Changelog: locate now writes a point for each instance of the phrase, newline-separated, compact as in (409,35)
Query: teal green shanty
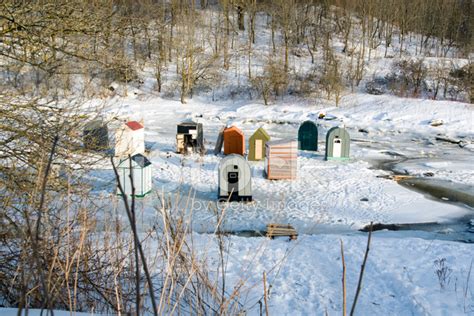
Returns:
(337,144)
(308,136)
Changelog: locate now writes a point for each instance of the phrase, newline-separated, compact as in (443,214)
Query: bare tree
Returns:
(273,80)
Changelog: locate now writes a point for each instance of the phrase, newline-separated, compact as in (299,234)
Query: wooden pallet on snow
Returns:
(281,230)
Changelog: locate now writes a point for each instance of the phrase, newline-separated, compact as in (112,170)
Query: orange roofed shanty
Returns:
(234,141)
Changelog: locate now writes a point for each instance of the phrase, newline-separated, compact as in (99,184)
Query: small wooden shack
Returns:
(337,144)
(130,139)
(281,161)
(189,138)
(308,136)
(96,135)
(219,141)
(141,172)
(235,179)
(257,145)
(234,141)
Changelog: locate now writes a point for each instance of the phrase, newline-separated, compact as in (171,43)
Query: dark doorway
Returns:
(233,180)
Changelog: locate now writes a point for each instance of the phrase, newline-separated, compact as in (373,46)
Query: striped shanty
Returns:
(281,159)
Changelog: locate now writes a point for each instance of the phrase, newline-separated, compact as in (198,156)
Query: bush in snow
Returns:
(408,76)
(433,79)
(376,86)
(274,80)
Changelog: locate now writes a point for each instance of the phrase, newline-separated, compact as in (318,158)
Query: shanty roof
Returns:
(134,125)
(263,132)
(188,123)
(138,159)
(141,160)
(308,123)
(232,156)
(338,131)
(233,129)
(280,142)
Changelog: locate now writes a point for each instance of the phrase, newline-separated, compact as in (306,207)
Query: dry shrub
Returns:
(272,82)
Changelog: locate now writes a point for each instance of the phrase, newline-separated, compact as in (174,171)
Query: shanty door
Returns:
(258,149)
(188,143)
(307,141)
(233,180)
(180,143)
(337,148)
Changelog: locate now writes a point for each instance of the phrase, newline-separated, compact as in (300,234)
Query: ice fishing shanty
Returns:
(96,135)
(234,141)
(235,179)
(281,161)
(337,144)
(308,136)
(257,145)
(130,139)
(189,138)
(140,168)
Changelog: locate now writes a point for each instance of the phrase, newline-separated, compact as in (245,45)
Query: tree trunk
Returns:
(273,34)
(240,18)
(286,50)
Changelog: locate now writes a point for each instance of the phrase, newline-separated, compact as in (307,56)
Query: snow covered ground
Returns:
(345,194)
(327,203)
(305,276)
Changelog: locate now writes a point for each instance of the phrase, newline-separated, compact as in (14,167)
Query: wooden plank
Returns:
(284,166)
(281,172)
(277,229)
(282,153)
(219,142)
(282,177)
(401,177)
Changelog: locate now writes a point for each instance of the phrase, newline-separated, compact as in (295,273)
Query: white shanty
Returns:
(130,139)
